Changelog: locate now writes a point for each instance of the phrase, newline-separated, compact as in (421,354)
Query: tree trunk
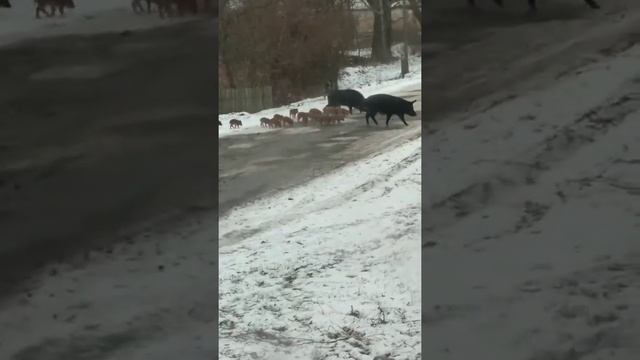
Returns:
(415,9)
(381,42)
(223,60)
(226,76)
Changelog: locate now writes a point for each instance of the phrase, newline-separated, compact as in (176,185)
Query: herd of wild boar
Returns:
(165,8)
(334,114)
(330,115)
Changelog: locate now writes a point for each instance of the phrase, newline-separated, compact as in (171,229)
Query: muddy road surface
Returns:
(100,134)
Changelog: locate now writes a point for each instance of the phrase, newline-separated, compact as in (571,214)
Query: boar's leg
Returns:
(373,117)
(389,118)
(350,109)
(402,118)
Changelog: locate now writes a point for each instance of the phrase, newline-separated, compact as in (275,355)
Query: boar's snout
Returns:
(410,110)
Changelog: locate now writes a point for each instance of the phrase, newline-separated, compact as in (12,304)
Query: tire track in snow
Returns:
(551,151)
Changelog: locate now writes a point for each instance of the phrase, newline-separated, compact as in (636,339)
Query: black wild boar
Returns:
(235,124)
(346,97)
(5,4)
(389,105)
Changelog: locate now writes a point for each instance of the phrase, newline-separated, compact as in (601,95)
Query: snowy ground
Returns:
(328,269)
(531,222)
(368,80)
(89,17)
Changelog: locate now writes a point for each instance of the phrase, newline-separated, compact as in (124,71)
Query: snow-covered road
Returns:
(327,269)
(532,222)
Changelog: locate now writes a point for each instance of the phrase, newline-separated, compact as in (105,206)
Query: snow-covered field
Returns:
(532,218)
(90,16)
(327,269)
(368,80)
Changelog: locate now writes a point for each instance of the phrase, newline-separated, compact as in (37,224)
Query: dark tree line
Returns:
(382,32)
(292,45)
(295,45)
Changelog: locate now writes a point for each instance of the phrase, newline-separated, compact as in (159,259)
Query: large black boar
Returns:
(346,97)
(389,105)
(532,4)
(5,3)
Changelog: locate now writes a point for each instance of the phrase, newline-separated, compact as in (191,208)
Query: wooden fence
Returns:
(247,99)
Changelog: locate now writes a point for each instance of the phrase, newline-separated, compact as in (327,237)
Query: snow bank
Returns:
(329,268)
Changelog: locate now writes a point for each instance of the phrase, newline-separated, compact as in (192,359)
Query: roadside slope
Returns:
(532,220)
(93,142)
(328,268)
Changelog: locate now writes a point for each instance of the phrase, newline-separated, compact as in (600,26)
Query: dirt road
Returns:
(99,134)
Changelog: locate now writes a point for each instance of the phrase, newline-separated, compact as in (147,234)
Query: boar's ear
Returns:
(414,101)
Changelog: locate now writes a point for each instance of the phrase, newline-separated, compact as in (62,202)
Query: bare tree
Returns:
(415,9)
(223,63)
(292,45)
(381,42)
